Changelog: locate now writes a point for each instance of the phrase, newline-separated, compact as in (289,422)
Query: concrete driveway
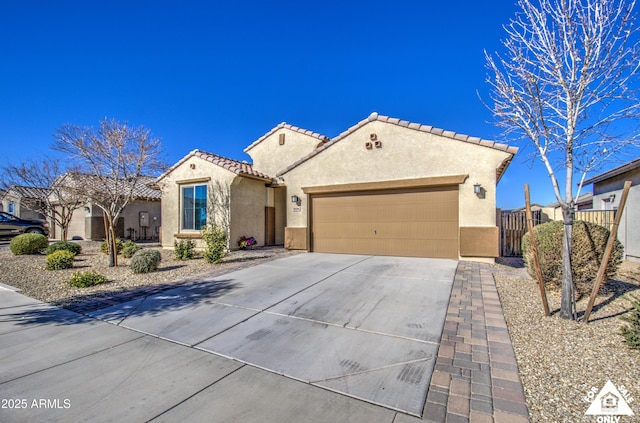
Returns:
(361,326)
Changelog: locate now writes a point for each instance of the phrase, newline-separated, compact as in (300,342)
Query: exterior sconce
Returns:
(477,189)
(612,197)
(295,198)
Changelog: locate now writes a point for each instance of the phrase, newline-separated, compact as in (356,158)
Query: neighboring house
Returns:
(583,202)
(23,201)
(607,190)
(384,187)
(140,219)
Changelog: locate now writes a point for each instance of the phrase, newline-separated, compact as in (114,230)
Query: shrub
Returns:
(588,245)
(184,249)
(104,247)
(216,241)
(631,332)
(58,260)
(72,247)
(145,260)
(85,279)
(129,248)
(28,244)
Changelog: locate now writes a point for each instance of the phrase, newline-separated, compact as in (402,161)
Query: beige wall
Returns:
(405,154)
(269,157)
(248,200)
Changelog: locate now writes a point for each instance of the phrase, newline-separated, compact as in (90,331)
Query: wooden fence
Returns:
(600,217)
(513,226)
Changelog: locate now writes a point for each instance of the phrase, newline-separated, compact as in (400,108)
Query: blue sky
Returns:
(218,75)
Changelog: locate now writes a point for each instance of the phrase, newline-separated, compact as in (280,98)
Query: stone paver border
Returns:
(476,375)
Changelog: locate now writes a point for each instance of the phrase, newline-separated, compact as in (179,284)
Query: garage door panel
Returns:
(419,223)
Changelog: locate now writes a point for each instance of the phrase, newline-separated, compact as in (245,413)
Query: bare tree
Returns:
(114,160)
(56,200)
(565,87)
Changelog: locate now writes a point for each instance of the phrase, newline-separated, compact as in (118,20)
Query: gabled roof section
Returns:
(235,166)
(34,193)
(285,125)
(417,127)
(632,165)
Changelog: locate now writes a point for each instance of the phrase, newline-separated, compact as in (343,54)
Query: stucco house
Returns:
(385,186)
(23,201)
(140,219)
(607,191)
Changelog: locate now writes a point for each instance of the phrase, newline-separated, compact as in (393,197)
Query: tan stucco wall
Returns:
(269,157)
(131,215)
(204,172)
(405,154)
(248,200)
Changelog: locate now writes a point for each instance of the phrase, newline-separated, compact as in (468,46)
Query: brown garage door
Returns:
(417,223)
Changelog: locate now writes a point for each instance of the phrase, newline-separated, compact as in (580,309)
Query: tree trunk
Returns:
(568,297)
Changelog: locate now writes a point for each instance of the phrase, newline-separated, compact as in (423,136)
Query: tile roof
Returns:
(235,166)
(285,125)
(28,192)
(633,164)
(415,126)
(143,190)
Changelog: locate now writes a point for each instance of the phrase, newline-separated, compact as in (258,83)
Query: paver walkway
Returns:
(476,376)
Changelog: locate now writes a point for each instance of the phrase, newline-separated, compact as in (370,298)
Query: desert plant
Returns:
(184,249)
(28,244)
(216,240)
(631,331)
(72,247)
(58,260)
(588,245)
(104,247)
(85,279)
(145,260)
(129,248)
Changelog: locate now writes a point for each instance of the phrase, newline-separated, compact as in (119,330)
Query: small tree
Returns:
(565,87)
(114,160)
(57,201)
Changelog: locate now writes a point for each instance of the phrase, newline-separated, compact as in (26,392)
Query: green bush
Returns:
(28,244)
(61,259)
(129,248)
(104,247)
(631,332)
(184,249)
(72,247)
(145,260)
(85,279)
(216,240)
(588,244)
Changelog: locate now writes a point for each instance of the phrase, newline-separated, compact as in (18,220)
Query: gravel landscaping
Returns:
(561,360)
(27,273)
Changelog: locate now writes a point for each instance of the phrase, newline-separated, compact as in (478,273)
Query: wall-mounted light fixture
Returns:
(477,189)
(295,198)
(611,198)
